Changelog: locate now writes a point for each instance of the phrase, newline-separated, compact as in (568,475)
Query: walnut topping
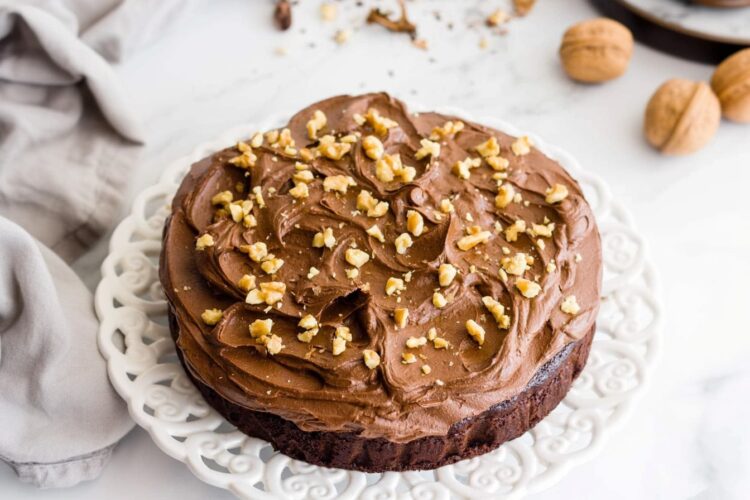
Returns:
(408,358)
(428,148)
(371,358)
(308,322)
(269,293)
(516,265)
(415,342)
(522,146)
(414,222)
(498,312)
(505,196)
(570,305)
(240,209)
(331,149)
(403,242)
(394,285)
(204,241)
(312,272)
(223,198)
(543,230)
(440,343)
(462,168)
(376,233)
(300,191)
(246,283)
(475,331)
(426,369)
(401,316)
(528,289)
(324,239)
(307,335)
(446,274)
(261,327)
(556,193)
(446,206)
(273,343)
(271,264)
(356,257)
(488,148)
(499,164)
(257,251)
(551,266)
(258,193)
(470,241)
(512,231)
(374,207)
(448,130)
(439,300)
(303,176)
(211,316)
(497,18)
(339,346)
(379,124)
(432,334)
(246,158)
(373,147)
(338,183)
(352,273)
(390,167)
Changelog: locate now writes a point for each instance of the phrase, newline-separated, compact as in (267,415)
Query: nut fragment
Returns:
(428,148)
(338,183)
(324,239)
(211,316)
(408,358)
(446,274)
(339,346)
(505,196)
(356,257)
(470,241)
(273,343)
(475,331)
(522,146)
(257,251)
(440,343)
(308,322)
(439,300)
(426,369)
(731,82)
(490,147)
(403,243)
(596,50)
(462,168)
(401,316)
(414,222)
(371,358)
(570,305)
(261,327)
(681,117)
(316,124)
(394,285)
(415,342)
(222,198)
(247,282)
(270,293)
(379,124)
(300,191)
(498,312)
(376,233)
(204,241)
(497,18)
(373,147)
(516,265)
(448,130)
(374,207)
(528,288)
(272,264)
(512,231)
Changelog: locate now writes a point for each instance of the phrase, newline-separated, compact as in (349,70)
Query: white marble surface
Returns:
(688,437)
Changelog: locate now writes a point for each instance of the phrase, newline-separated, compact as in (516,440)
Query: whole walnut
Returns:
(681,117)
(596,51)
(731,82)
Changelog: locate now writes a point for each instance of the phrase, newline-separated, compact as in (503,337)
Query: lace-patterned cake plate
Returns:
(143,367)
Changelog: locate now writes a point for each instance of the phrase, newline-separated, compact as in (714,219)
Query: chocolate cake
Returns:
(374,289)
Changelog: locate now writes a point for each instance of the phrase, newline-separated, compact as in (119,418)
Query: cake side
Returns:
(317,377)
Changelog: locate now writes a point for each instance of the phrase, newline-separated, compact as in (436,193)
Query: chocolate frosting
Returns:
(304,382)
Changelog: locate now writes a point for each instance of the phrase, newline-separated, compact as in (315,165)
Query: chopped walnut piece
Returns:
(556,193)
(273,343)
(204,241)
(505,196)
(551,266)
(269,293)
(475,331)
(246,159)
(426,369)
(312,272)
(528,288)
(497,18)
(331,149)
(470,241)
(401,316)
(339,346)
(446,206)
(303,176)
(258,192)
(376,233)
(432,334)
(415,342)
(394,285)
(516,265)
(440,343)
(371,358)
(257,140)
(428,148)
(300,191)
(356,257)
(261,327)
(498,312)
(344,332)
(352,273)
(338,183)
(223,198)
(246,283)
(488,148)
(462,168)
(512,231)
(271,264)
(373,206)
(570,305)
(448,130)
(316,124)
(403,243)
(408,358)
(542,230)
(373,147)
(249,221)
(324,239)
(414,222)
(307,335)
(308,322)
(379,124)
(498,163)
(257,251)
(211,316)
(439,300)
(446,274)
(522,146)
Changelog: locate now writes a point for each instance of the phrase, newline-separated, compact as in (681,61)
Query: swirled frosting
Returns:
(556,246)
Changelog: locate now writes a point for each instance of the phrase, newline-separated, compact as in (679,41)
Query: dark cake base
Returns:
(465,439)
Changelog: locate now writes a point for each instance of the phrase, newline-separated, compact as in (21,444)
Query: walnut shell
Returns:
(731,82)
(681,117)
(596,50)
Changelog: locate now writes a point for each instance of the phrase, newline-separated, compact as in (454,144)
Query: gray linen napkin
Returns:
(67,134)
